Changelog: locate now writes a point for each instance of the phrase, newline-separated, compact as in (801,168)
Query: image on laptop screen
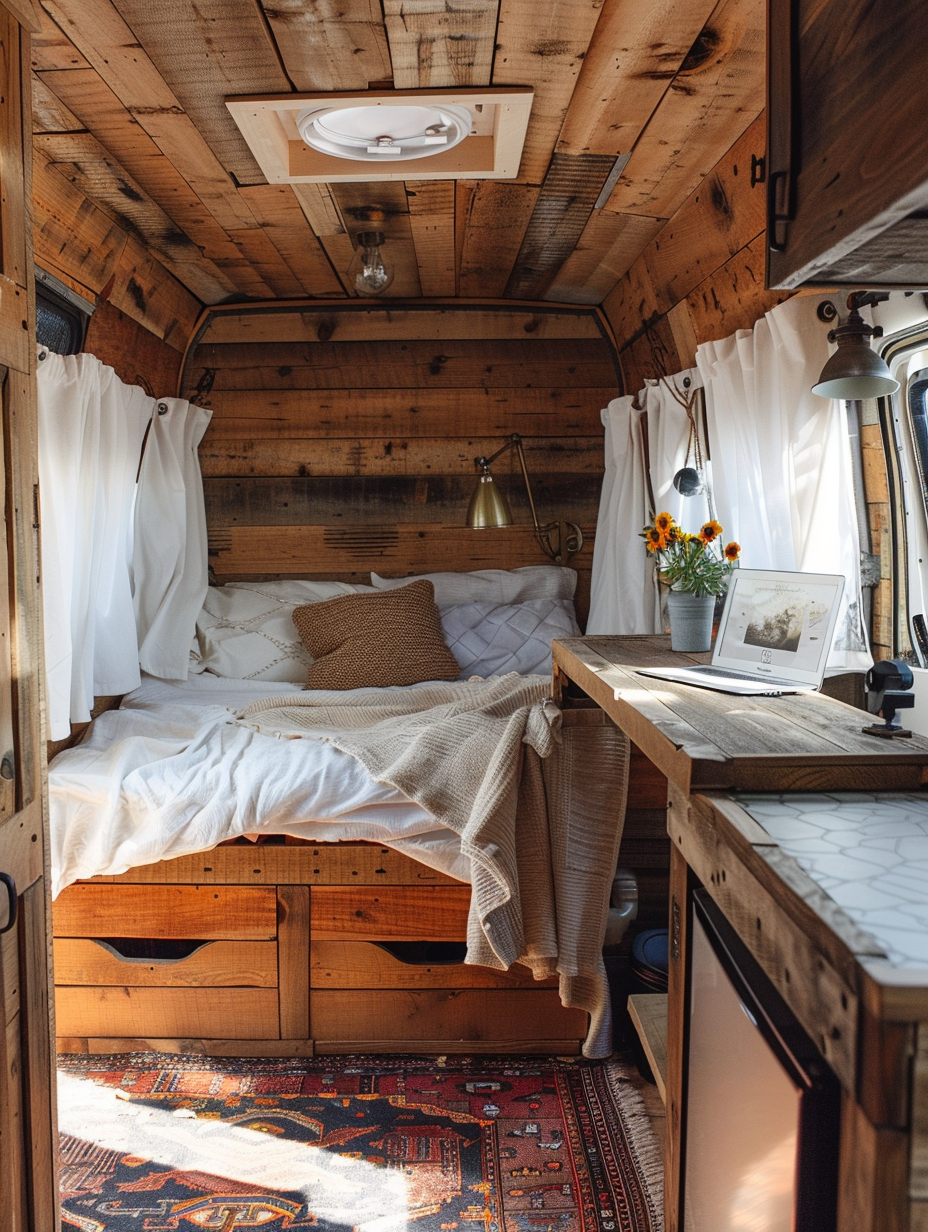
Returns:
(779,622)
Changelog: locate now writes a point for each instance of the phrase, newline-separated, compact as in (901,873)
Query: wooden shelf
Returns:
(648,1012)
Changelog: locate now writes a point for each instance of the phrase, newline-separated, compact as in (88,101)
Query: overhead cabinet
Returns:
(846,143)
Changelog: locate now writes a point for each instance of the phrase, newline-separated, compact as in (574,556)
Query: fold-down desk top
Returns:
(702,739)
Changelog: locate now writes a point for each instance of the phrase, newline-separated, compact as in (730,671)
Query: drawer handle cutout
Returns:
(149,950)
(425,953)
(13,900)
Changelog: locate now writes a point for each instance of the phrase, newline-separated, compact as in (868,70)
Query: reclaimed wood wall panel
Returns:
(628,69)
(435,45)
(716,92)
(544,45)
(76,241)
(358,456)
(111,47)
(132,105)
(204,51)
(702,275)
(332,322)
(343,439)
(330,44)
(417,364)
(136,355)
(82,160)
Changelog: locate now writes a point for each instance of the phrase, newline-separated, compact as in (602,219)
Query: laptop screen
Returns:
(779,624)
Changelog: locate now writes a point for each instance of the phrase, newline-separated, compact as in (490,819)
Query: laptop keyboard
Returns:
(727,674)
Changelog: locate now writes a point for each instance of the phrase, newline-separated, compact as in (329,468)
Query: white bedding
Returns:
(171,773)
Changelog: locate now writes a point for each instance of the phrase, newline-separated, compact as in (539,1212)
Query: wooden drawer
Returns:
(452,1016)
(360,964)
(215,964)
(394,913)
(195,1013)
(246,913)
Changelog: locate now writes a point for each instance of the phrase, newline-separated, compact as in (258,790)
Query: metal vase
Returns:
(690,620)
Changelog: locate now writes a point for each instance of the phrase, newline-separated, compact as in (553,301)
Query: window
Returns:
(904,423)
(61,316)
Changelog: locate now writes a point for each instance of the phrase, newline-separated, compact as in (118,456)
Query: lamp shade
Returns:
(855,371)
(488,507)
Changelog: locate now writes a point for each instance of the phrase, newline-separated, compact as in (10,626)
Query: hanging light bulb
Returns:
(369,273)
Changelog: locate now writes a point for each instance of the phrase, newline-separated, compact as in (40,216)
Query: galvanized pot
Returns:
(690,620)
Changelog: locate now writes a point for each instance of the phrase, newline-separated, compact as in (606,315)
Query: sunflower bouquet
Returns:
(695,564)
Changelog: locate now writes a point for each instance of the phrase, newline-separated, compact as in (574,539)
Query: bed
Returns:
(228,882)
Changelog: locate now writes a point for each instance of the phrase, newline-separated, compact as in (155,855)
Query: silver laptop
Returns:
(774,635)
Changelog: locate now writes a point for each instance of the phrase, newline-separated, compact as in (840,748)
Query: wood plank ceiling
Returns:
(129,107)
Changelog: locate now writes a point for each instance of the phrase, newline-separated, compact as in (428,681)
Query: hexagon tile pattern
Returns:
(868,851)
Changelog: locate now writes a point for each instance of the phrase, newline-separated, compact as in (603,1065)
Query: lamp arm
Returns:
(514,441)
(520,452)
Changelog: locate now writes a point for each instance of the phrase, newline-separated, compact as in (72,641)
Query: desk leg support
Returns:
(677,943)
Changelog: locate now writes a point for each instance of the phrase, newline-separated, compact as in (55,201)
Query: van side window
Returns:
(918,416)
(60,316)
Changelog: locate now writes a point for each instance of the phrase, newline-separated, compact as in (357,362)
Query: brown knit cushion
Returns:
(364,641)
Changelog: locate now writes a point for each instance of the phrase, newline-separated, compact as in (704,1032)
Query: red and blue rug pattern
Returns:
(152,1142)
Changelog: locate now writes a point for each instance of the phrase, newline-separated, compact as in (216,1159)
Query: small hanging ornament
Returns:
(689,479)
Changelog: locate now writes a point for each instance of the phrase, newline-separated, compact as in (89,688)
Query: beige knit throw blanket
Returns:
(538,804)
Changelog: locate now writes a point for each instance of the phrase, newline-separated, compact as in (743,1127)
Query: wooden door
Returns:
(28,1179)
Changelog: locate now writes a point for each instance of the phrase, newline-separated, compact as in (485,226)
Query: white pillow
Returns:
(489,639)
(245,630)
(494,585)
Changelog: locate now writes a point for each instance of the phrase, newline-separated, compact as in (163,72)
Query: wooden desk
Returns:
(700,739)
(736,768)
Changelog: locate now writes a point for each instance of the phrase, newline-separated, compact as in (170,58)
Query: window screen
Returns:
(59,325)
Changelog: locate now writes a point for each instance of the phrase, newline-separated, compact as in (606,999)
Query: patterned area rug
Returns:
(370,1144)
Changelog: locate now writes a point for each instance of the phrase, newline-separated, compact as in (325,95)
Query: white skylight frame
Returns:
(491,151)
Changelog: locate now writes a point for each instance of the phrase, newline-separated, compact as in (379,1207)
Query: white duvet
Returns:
(171,773)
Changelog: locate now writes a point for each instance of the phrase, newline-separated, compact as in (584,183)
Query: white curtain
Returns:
(90,432)
(781,465)
(169,561)
(623,596)
(671,444)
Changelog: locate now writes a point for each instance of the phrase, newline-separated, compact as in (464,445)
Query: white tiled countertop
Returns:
(867,851)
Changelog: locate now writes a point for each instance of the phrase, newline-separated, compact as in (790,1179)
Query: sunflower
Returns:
(675,534)
(710,531)
(732,551)
(654,540)
(664,523)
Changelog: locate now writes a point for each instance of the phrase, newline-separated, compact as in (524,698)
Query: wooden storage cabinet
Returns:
(847,178)
(291,962)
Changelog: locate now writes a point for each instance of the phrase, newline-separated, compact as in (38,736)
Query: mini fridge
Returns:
(761,1108)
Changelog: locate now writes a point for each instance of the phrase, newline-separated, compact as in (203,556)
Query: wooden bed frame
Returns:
(289,962)
(291,957)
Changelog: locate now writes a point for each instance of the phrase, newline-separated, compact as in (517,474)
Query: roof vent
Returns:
(392,131)
(466,134)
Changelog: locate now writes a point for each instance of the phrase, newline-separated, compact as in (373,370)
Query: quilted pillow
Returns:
(375,640)
(489,639)
(245,629)
(494,585)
